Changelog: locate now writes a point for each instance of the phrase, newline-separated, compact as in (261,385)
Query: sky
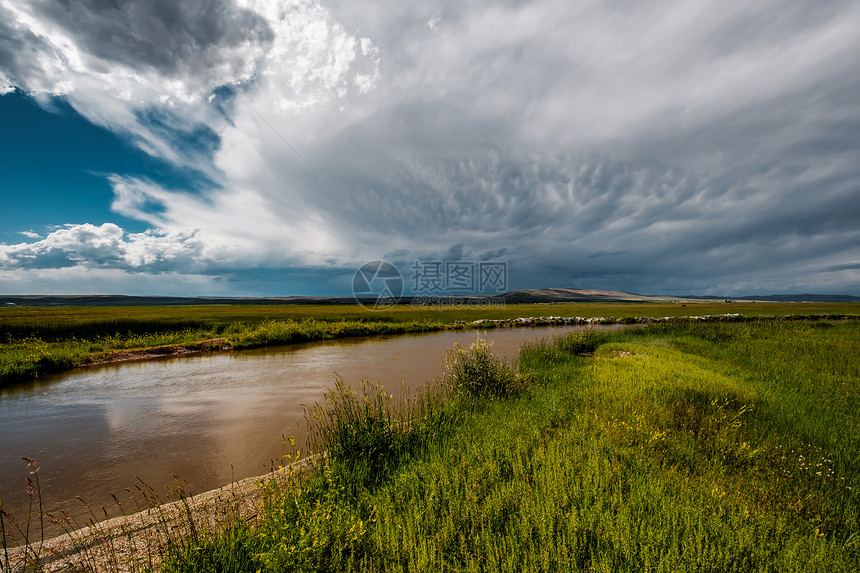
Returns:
(272,147)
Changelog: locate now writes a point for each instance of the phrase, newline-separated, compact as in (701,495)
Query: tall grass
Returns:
(366,435)
(148,531)
(477,373)
(271,333)
(580,342)
(28,358)
(25,359)
(85,328)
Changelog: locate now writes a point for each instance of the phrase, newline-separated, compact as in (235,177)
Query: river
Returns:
(209,419)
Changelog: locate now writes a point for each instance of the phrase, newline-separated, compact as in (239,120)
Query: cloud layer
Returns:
(653,147)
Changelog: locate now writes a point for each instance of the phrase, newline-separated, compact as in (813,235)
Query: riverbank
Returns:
(171,351)
(720,445)
(39,341)
(26,359)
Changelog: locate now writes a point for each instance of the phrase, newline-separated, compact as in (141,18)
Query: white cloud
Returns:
(108,246)
(239,227)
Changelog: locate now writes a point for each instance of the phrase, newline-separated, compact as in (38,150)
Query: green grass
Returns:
(42,340)
(276,332)
(685,447)
(55,348)
(62,322)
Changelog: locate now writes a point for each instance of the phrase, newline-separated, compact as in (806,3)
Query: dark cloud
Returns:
(175,38)
(455,253)
(843,267)
(19,50)
(494,254)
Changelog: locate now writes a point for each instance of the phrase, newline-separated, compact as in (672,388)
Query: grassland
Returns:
(153,318)
(681,447)
(40,340)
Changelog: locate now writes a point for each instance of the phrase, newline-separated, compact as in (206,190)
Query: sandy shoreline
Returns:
(131,542)
(167,351)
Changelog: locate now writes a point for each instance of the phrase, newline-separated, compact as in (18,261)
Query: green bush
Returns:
(476,372)
(362,434)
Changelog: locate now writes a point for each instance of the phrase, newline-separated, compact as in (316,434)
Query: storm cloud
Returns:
(205,42)
(649,146)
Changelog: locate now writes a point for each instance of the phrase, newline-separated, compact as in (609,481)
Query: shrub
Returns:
(477,372)
(362,434)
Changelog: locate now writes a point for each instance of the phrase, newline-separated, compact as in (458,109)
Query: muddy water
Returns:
(208,419)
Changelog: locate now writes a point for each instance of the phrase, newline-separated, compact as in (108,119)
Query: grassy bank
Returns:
(37,340)
(62,348)
(695,447)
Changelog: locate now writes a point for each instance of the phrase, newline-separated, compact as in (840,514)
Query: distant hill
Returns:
(548,295)
(786,298)
(578,295)
(518,296)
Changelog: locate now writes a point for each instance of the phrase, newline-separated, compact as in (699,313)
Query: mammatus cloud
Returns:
(656,147)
